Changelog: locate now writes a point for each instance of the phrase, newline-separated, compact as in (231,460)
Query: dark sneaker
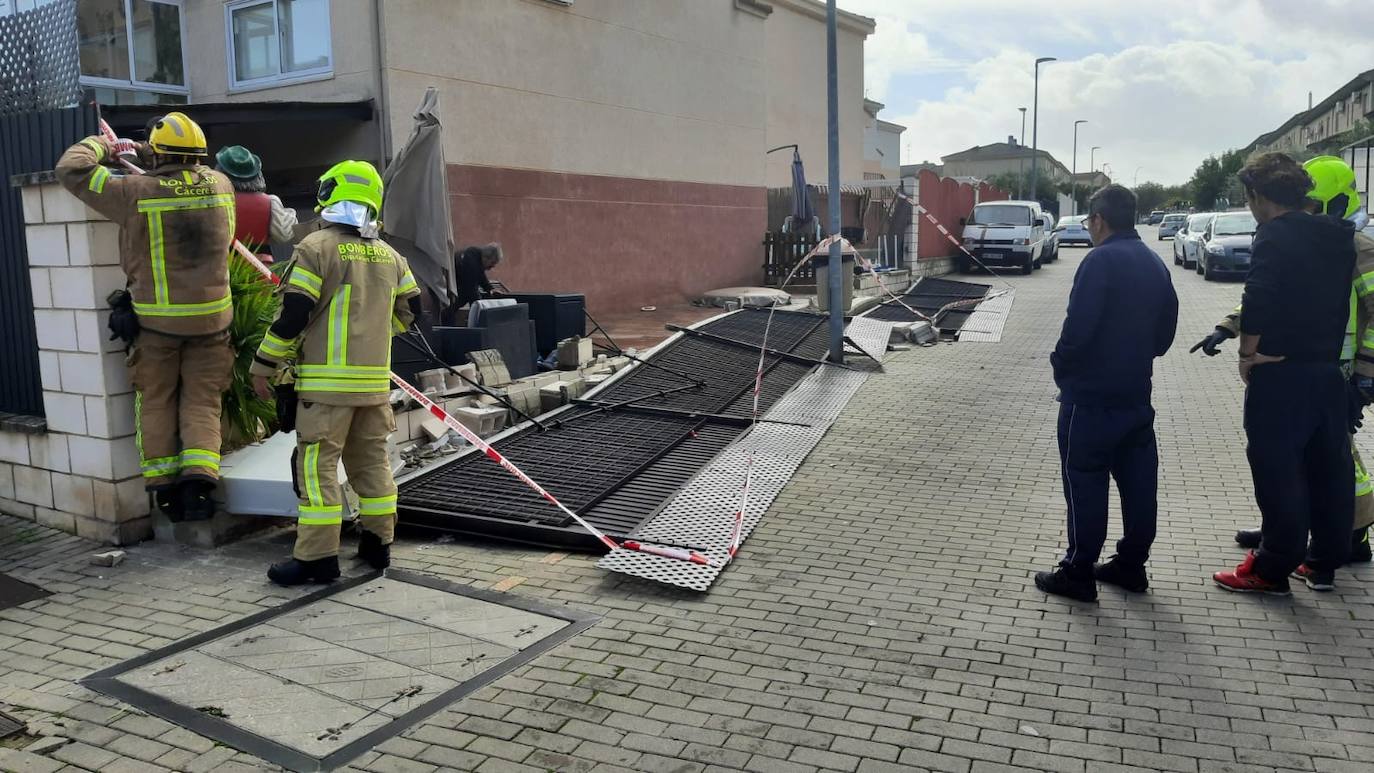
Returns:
(1316,580)
(1244,580)
(1069,582)
(298,572)
(1359,547)
(1248,538)
(371,550)
(1122,575)
(196,504)
(168,500)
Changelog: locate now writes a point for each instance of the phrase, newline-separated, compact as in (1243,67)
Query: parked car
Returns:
(1170,223)
(1070,230)
(1050,251)
(1004,233)
(1188,240)
(1225,245)
(1155,217)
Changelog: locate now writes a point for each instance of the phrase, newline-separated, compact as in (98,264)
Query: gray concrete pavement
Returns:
(881,617)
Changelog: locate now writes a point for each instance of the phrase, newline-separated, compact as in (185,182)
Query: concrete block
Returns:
(92,457)
(455,382)
(124,458)
(93,332)
(55,519)
(49,371)
(116,373)
(82,373)
(50,451)
(574,352)
(14,447)
(110,558)
(93,244)
(552,396)
(33,204)
(33,486)
(65,413)
(131,499)
(73,287)
(41,284)
(56,329)
(73,494)
(433,428)
(483,421)
(17,509)
(60,206)
(6,481)
(431,381)
(110,417)
(47,245)
(110,533)
(105,499)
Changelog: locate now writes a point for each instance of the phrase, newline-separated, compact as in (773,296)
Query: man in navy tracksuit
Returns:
(1122,314)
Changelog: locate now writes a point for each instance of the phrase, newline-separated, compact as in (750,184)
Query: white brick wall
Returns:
(82,475)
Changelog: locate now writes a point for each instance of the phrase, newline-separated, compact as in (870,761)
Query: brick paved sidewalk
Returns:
(881,617)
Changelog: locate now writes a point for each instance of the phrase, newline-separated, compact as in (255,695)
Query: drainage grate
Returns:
(930,295)
(317,682)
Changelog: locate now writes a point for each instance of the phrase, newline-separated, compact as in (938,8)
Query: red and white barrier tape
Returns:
(737,530)
(476,440)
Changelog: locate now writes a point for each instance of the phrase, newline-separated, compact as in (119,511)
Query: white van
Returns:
(1005,233)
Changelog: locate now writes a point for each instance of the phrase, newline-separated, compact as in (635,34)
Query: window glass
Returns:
(1001,214)
(102,36)
(304,34)
(157,43)
(255,42)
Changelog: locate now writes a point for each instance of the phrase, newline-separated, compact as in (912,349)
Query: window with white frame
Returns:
(131,44)
(277,41)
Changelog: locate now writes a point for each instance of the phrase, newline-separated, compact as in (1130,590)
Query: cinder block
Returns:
(33,204)
(116,374)
(60,206)
(41,285)
(49,370)
(55,519)
(14,447)
(56,329)
(50,451)
(66,413)
(75,287)
(105,499)
(82,373)
(93,332)
(33,486)
(47,245)
(112,533)
(73,494)
(124,458)
(17,509)
(110,417)
(93,244)
(93,457)
(6,480)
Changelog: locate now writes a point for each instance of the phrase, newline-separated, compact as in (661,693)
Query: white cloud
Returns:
(1162,86)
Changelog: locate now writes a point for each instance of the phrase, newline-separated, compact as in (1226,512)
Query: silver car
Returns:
(1188,240)
(1226,245)
(1071,231)
(1171,223)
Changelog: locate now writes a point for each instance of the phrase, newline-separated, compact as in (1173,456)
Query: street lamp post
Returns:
(1135,178)
(1035,124)
(1073,175)
(834,274)
(1092,158)
(1021,157)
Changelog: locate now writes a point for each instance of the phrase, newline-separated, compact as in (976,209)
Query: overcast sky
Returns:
(1162,84)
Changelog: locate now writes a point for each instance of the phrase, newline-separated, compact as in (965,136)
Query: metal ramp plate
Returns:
(869,336)
(988,320)
(703,512)
(318,681)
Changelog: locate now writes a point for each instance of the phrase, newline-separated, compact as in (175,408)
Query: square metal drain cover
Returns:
(314,683)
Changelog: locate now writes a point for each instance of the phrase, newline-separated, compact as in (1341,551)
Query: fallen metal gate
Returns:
(930,295)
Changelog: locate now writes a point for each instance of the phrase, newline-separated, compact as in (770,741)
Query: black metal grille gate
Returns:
(930,295)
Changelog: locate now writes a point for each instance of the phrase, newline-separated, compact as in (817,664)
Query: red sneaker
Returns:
(1244,580)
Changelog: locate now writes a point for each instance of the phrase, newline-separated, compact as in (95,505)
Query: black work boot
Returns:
(298,572)
(1359,547)
(1249,538)
(1123,575)
(167,497)
(371,550)
(196,504)
(1075,582)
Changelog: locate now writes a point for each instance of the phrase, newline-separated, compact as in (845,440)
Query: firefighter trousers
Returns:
(178,386)
(1364,491)
(355,434)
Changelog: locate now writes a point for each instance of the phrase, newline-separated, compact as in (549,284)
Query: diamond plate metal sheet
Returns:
(988,320)
(870,336)
(703,512)
(39,59)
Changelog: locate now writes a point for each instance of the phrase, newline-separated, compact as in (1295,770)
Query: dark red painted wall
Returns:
(623,242)
(946,200)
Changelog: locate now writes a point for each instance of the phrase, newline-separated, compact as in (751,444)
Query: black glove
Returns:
(123,322)
(1354,408)
(286,406)
(1209,344)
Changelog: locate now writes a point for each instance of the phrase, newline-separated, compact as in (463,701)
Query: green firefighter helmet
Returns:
(1333,186)
(356,181)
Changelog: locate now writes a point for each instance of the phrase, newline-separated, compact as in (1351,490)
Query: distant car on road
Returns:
(1049,253)
(1155,217)
(1225,245)
(1070,230)
(1170,223)
(1188,240)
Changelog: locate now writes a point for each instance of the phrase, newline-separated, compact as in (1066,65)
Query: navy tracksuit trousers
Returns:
(1098,444)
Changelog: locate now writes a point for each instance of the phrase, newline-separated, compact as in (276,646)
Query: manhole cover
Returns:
(315,683)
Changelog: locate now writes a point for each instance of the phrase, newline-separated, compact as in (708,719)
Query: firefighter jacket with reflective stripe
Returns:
(360,289)
(176,228)
(1358,345)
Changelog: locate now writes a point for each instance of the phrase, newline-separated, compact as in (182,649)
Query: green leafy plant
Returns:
(246,417)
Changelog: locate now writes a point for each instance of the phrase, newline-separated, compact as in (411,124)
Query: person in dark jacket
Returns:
(473,265)
(1122,315)
(1293,320)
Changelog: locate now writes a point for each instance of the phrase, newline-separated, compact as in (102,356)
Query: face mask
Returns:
(352,213)
(1360,219)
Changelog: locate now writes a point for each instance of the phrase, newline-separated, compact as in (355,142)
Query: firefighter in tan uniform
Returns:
(1334,190)
(176,226)
(346,294)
